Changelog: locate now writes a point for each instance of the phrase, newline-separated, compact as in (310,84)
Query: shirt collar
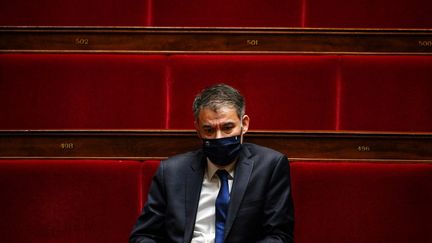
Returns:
(212,168)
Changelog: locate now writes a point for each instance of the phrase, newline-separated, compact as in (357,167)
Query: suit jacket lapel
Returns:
(241,180)
(193,184)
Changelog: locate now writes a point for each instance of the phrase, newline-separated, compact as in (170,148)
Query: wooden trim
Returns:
(214,40)
(149,144)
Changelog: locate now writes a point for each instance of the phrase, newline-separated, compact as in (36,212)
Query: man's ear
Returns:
(245,124)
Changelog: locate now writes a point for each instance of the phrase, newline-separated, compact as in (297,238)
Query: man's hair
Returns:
(217,96)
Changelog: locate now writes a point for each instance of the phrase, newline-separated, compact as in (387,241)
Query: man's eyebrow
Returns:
(229,122)
(210,125)
(207,126)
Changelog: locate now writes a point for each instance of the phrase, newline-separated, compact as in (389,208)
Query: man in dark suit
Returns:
(228,191)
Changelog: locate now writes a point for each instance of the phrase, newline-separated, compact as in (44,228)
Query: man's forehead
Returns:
(220,117)
(219,107)
(220,111)
(218,123)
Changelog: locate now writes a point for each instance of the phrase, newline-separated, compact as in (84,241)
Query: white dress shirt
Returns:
(204,230)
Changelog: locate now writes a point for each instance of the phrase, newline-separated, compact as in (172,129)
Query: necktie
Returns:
(222,201)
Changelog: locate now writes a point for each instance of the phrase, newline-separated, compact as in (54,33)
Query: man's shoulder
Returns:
(182,159)
(267,161)
(256,149)
(186,155)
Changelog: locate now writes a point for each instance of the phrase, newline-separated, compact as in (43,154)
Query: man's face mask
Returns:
(222,151)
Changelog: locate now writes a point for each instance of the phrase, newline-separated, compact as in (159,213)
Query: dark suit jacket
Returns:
(260,207)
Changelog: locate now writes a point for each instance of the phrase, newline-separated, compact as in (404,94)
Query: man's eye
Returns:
(208,130)
(228,128)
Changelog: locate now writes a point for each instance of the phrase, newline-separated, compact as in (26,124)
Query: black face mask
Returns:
(222,151)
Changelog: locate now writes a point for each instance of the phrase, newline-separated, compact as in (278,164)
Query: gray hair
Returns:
(217,96)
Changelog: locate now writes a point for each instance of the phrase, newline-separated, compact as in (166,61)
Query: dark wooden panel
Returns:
(161,144)
(214,40)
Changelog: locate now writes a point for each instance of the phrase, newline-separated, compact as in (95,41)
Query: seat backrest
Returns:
(75,13)
(82,91)
(50,201)
(360,202)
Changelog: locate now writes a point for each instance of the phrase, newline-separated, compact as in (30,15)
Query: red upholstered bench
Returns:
(51,201)
(361,202)
(282,92)
(149,168)
(99,200)
(386,93)
(368,14)
(82,91)
(75,13)
(223,13)
(239,13)
(68,200)
(290,92)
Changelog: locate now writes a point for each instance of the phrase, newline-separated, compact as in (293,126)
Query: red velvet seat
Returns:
(282,92)
(358,202)
(51,201)
(239,13)
(368,14)
(99,200)
(386,93)
(72,91)
(149,168)
(75,13)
